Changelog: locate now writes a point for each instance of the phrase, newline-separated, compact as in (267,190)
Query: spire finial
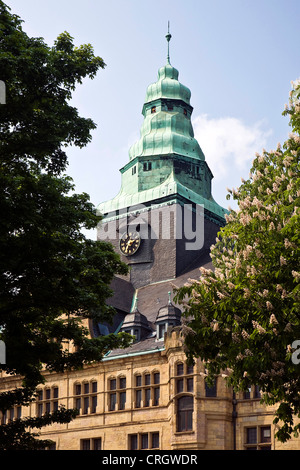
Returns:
(168,37)
(134,307)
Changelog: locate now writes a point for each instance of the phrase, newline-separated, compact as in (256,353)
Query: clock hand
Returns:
(129,243)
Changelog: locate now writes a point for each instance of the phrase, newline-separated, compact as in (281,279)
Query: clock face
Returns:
(130,243)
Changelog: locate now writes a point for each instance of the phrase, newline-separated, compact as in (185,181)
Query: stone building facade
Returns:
(162,223)
(153,401)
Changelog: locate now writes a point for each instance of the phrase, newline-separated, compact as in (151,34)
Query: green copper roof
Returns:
(167,126)
(168,86)
(170,188)
(166,163)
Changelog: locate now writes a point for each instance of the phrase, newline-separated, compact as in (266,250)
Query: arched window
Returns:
(147,389)
(117,393)
(185,408)
(47,401)
(122,393)
(85,399)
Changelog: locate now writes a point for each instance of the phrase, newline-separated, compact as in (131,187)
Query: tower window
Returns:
(153,109)
(185,410)
(147,166)
(185,112)
(134,170)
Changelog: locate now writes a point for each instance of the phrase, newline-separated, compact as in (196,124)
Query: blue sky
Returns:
(238,58)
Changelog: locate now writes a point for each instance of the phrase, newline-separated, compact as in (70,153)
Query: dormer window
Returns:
(136,325)
(161,330)
(167,316)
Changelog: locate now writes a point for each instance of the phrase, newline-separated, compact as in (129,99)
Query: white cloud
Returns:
(228,143)
(229,146)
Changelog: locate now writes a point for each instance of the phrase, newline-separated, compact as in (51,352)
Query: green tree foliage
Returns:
(244,316)
(51,275)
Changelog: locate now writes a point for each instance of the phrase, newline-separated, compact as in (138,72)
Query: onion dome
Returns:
(168,87)
(167,127)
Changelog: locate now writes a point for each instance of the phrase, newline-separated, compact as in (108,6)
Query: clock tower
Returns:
(164,217)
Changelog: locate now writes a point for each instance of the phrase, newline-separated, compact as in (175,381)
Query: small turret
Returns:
(169,315)
(136,324)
